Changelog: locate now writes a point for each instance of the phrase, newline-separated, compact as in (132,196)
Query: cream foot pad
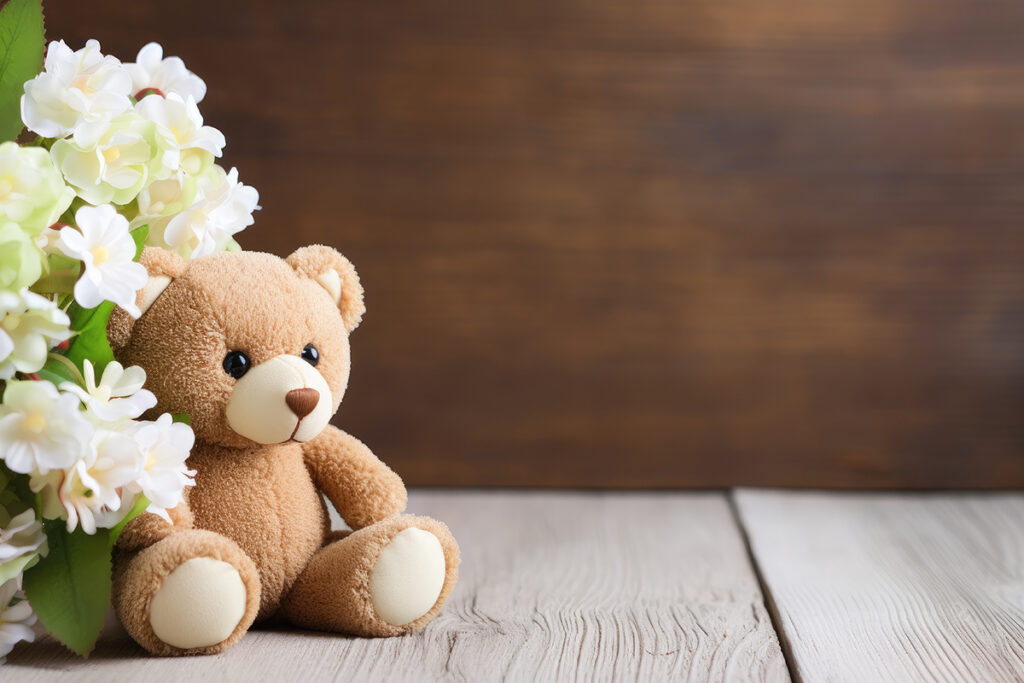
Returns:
(408,576)
(199,604)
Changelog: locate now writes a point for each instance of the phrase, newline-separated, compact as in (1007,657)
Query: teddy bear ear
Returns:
(162,267)
(332,271)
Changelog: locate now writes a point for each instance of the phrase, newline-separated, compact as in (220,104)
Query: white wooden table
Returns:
(667,586)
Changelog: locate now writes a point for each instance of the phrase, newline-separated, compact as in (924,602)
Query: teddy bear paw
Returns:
(408,576)
(199,604)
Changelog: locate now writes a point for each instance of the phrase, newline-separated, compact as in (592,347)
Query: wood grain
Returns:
(653,243)
(553,586)
(893,587)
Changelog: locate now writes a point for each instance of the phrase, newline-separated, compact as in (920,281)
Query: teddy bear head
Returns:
(253,347)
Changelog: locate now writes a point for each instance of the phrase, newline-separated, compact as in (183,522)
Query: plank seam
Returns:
(766,593)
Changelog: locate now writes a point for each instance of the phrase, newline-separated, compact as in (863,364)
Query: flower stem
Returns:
(72,368)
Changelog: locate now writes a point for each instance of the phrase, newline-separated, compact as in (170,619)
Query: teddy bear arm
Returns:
(362,488)
(147,528)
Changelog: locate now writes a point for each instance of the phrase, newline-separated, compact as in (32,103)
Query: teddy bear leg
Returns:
(194,592)
(386,579)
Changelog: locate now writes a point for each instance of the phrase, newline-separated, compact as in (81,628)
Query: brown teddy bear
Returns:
(255,350)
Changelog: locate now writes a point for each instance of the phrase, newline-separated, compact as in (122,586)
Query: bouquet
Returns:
(112,157)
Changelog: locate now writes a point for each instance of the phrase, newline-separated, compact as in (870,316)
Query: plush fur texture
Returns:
(259,507)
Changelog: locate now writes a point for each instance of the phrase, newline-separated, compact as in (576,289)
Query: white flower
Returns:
(40,429)
(46,485)
(165,198)
(16,617)
(165,446)
(22,541)
(32,192)
(103,243)
(198,143)
(76,93)
(47,240)
(29,326)
(92,487)
(152,72)
(127,153)
(225,208)
(119,394)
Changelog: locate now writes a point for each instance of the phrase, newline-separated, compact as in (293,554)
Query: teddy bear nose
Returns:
(302,401)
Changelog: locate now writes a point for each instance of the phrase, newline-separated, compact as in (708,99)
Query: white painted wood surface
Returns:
(554,586)
(893,587)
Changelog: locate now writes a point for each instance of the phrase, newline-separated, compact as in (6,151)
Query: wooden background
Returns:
(650,243)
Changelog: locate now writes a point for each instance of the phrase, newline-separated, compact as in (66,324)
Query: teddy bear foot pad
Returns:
(198,605)
(408,577)
(386,579)
(194,592)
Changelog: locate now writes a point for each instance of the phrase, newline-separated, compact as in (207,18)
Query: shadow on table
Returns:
(115,644)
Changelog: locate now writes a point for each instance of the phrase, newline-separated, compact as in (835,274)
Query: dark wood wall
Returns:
(650,243)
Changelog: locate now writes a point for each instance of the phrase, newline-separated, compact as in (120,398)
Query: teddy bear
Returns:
(255,349)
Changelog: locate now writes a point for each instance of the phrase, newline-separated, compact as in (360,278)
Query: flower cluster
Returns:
(132,135)
(86,455)
(121,158)
(22,541)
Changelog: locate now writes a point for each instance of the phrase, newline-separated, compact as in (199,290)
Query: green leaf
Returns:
(17,485)
(59,275)
(21,57)
(140,506)
(56,372)
(182,417)
(69,589)
(17,495)
(140,234)
(91,340)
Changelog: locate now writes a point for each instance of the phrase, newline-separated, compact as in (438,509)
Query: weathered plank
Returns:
(566,586)
(893,587)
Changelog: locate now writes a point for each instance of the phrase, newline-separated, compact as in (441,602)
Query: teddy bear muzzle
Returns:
(281,399)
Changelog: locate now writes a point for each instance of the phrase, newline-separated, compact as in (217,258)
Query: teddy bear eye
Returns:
(236,364)
(310,354)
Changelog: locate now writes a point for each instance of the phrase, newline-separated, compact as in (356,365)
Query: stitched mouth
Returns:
(295,431)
